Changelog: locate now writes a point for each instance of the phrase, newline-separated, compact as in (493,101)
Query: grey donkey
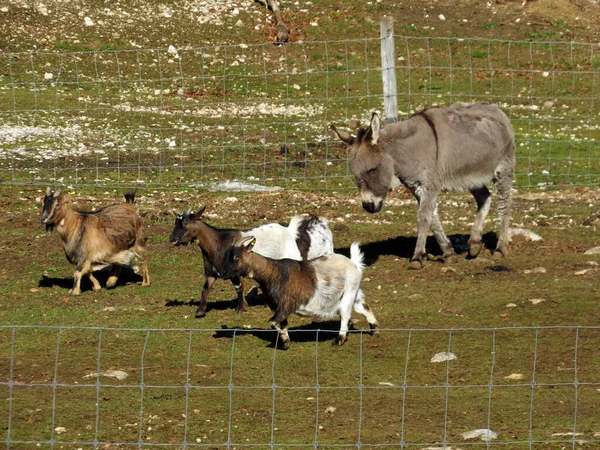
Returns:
(456,148)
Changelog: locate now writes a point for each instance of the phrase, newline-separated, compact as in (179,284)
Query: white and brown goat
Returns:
(111,236)
(301,239)
(323,288)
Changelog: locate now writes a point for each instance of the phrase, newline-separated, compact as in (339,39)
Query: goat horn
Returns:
(48,191)
(57,193)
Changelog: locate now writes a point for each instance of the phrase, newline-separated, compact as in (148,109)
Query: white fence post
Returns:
(388,68)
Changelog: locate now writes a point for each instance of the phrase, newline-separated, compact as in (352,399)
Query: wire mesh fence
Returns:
(78,387)
(196,117)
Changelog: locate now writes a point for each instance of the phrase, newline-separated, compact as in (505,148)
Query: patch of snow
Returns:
(235,186)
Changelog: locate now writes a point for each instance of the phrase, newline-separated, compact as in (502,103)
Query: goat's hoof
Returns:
(241,309)
(415,264)
(475,248)
(74,292)
(96,288)
(145,283)
(200,314)
(285,344)
(111,283)
(339,341)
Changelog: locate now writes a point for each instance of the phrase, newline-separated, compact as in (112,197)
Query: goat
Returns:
(301,239)
(112,235)
(461,147)
(323,287)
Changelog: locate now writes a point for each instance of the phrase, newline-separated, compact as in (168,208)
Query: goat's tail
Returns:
(130,197)
(294,226)
(356,256)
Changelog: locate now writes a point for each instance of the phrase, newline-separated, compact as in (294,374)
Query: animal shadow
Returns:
(312,332)
(404,246)
(253,298)
(127,276)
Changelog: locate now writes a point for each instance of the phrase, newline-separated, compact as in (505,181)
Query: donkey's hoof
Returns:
(475,249)
(416,264)
(498,254)
(450,258)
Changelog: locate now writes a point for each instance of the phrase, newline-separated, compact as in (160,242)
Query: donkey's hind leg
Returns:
(484,200)
(503,184)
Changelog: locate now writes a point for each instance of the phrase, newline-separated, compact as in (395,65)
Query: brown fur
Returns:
(91,240)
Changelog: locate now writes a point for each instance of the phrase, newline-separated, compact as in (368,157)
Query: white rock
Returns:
(42,9)
(330,409)
(239,23)
(568,433)
(4,9)
(482,433)
(527,234)
(442,17)
(582,272)
(172,50)
(548,104)
(511,305)
(48,76)
(537,301)
(592,251)
(386,383)
(109,308)
(546,74)
(88,22)
(60,430)
(296,86)
(443,356)
(514,376)
(118,374)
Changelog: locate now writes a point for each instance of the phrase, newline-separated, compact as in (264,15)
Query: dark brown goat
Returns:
(112,235)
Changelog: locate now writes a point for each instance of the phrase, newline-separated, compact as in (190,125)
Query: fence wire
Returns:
(93,387)
(259,113)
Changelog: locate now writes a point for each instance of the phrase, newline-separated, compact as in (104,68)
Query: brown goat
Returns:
(111,236)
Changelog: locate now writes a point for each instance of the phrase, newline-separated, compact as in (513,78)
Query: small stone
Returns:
(48,76)
(330,409)
(172,50)
(537,301)
(592,251)
(443,356)
(42,9)
(548,104)
(514,376)
(239,23)
(88,22)
(442,17)
(511,305)
(582,272)
(60,430)
(539,270)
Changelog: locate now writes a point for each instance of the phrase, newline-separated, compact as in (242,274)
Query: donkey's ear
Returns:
(375,127)
(343,135)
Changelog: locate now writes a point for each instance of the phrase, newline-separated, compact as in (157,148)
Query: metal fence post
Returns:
(388,69)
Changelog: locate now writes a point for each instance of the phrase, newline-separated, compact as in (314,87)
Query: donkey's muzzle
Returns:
(372,207)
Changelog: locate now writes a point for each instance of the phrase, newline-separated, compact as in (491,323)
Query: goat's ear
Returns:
(67,198)
(343,135)
(248,243)
(375,128)
(201,211)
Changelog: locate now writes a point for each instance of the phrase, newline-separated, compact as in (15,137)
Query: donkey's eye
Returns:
(370,171)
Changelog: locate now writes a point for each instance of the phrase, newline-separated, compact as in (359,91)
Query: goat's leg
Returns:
(362,308)
(140,251)
(114,276)
(208,285)
(238,284)
(279,322)
(95,284)
(503,183)
(427,200)
(345,310)
(440,236)
(80,270)
(484,200)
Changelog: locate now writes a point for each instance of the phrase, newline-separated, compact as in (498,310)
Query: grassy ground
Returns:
(228,349)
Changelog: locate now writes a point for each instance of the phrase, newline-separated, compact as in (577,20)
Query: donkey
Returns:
(456,148)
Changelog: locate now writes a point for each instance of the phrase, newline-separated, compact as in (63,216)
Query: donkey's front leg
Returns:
(427,201)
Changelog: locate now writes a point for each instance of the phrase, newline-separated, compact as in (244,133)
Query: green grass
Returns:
(468,294)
